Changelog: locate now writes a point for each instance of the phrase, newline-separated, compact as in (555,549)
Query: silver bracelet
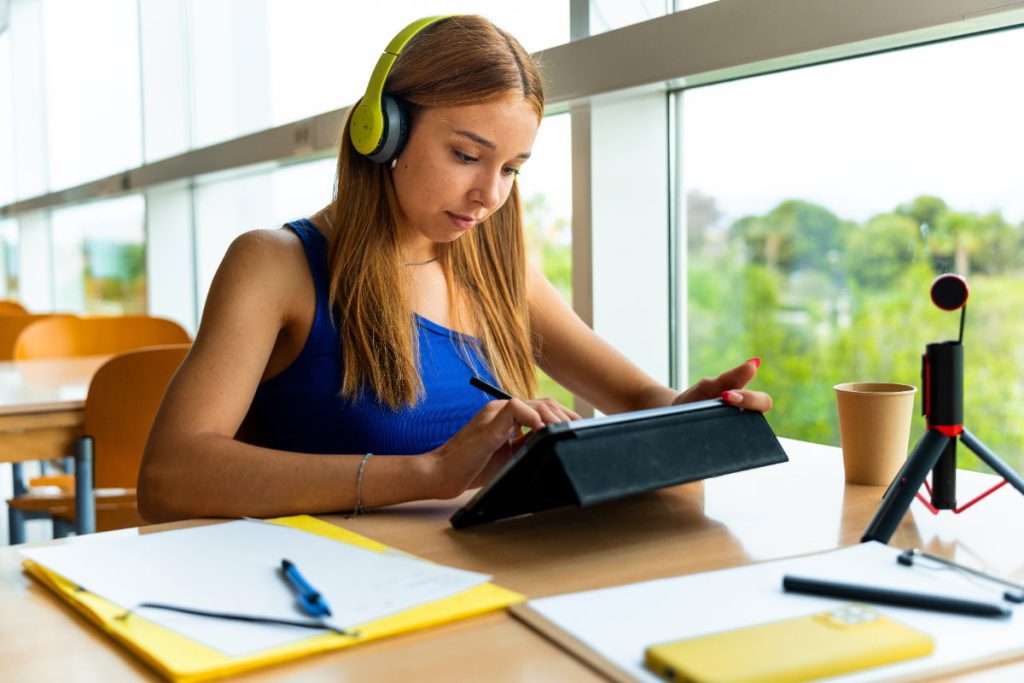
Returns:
(359,509)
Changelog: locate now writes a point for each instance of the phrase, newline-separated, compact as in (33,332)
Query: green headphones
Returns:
(379,126)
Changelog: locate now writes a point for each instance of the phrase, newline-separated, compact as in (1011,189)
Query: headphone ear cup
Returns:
(396,130)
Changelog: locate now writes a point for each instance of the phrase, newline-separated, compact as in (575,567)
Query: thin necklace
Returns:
(420,263)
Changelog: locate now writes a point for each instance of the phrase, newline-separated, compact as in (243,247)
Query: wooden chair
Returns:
(12,325)
(11,307)
(62,336)
(123,398)
(95,336)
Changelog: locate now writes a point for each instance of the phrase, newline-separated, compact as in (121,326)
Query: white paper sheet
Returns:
(233,567)
(619,623)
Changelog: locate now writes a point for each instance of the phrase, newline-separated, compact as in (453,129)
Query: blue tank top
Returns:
(301,408)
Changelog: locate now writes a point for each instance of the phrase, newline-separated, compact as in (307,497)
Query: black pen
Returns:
(888,596)
(489,389)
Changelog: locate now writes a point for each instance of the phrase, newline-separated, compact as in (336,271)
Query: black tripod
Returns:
(942,378)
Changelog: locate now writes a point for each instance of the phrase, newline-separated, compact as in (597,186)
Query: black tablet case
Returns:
(591,461)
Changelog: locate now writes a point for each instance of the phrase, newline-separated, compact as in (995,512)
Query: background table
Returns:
(798,507)
(41,406)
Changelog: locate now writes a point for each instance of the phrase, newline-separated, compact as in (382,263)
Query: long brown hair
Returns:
(458,61)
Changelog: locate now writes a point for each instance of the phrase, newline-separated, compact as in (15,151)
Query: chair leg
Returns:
(16,518)
(15,526)
(18,478)
(62,528)
(85,504)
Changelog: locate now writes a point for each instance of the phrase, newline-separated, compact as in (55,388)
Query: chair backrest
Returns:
(95,336)
(11,307)
(12,325)
(123,398)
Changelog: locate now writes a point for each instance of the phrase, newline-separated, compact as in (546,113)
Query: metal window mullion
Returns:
(677,242)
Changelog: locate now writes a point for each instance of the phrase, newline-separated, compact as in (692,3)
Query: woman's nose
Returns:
(487,189)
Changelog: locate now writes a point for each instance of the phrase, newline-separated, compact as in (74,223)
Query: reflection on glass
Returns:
(99,257)
(822,202)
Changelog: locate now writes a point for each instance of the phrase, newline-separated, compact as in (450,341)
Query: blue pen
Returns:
(310,600)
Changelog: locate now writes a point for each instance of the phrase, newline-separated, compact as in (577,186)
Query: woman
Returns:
(355,332)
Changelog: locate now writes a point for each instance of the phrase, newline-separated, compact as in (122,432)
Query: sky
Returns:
(863,136)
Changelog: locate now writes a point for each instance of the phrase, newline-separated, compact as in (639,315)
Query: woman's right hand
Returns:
(478,450)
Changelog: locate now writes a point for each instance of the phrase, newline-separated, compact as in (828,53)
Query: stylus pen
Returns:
(490,389)
(888,596)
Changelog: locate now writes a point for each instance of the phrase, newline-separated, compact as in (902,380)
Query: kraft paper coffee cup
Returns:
(874,427)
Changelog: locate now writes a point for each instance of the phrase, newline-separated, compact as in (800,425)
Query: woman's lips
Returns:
(460,221)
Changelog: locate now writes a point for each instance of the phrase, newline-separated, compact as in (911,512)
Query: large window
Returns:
(97,87)
(227,207)
(822,202)
(88,90)
(99,257)
(545,186)
(262,63)
(91,78)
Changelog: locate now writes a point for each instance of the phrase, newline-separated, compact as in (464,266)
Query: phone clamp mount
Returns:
(942,379)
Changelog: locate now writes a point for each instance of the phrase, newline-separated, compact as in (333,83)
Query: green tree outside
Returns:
(823,301)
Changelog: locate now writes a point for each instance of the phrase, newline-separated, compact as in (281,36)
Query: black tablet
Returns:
(597,459)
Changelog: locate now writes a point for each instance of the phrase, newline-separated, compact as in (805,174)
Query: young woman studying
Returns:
(331,368)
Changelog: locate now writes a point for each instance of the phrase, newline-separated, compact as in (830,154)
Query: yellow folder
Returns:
(178,658)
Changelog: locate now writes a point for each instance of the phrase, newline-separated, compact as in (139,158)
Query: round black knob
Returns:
(949,292)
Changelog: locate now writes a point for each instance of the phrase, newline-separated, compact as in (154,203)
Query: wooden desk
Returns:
(42,406)
(42,409)
(799,507)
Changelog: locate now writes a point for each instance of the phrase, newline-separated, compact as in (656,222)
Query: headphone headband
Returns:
(372,128)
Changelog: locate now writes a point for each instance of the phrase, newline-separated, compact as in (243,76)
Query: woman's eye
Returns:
(509,171)
(464,158)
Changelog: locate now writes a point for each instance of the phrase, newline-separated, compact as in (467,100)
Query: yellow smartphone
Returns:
(849,638)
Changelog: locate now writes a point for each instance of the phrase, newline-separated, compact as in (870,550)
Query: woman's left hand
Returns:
(729,387)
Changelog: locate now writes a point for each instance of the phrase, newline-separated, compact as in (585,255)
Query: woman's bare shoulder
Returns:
(260,246)
(265,257)
(265,267)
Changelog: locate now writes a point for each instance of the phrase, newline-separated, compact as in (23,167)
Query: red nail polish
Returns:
(756,361)
(726,397)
